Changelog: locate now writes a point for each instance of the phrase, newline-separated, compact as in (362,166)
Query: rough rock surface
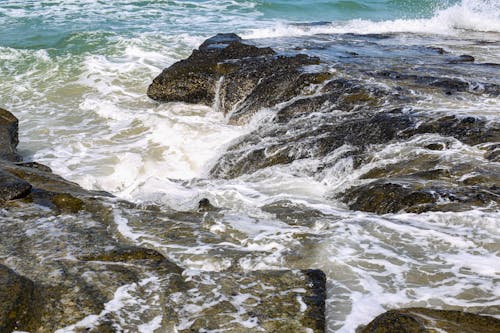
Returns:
(277,301)
(21,304)
(395,195)
(236,77)
(62,265)
(8,136)
(339,112)
(421,320)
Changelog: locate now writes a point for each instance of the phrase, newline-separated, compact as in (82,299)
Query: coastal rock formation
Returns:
(276,301)
(395,195)
(336,113)
(421,320)
(62,265)
(21,302)
(8,136)
(239,78)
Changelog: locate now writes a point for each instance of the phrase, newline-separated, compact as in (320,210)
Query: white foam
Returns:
(476,15)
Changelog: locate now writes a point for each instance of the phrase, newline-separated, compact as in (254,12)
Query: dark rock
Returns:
(493,153)
(395,195)
(383,197)
(204,205)
(20,303)
(435,146)
(447,85)
(339,94)
(243,77)
(461,59)
(469,130)
(12,187)
(8,136)
(35,165)
(421,320)
(293,141)
(288,301)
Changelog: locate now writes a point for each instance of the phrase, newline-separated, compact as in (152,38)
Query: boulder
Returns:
(422,320)
(237,77)
(8,136)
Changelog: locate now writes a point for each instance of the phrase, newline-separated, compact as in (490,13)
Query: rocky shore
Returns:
(317,112)
(80,272)
(64,266)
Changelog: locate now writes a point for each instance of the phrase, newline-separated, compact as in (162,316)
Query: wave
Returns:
(467,15)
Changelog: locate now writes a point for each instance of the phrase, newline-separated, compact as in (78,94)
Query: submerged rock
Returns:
(421,320)
(204,205)
(268,301)
(321,136)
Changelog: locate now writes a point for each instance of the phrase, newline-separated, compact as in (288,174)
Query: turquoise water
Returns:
(53,24)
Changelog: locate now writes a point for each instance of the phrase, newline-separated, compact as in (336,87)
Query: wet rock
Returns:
(383,197)
(277,301)
(12,187)
(35,165)
(293,213)
(447,85)
(462,59)
(204,205)
(8,136)
(243,77)
(469,130)
(435,146)
(343,95)
(293,141)
(493,153)
(421,320)
(20,305)
(396,195)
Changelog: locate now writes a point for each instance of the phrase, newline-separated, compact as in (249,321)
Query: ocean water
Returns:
(75,73)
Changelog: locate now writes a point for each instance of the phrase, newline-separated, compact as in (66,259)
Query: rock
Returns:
(35,165)
(447,85)
(8,136)
(243,77)
(20,306)
(205,206)
(493,153)
(393,195)
(12,187)
(469,130)
(384,197)
(194,79)
(421,320)
(277,301)
(462,59)
(343,95)
(292,141)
